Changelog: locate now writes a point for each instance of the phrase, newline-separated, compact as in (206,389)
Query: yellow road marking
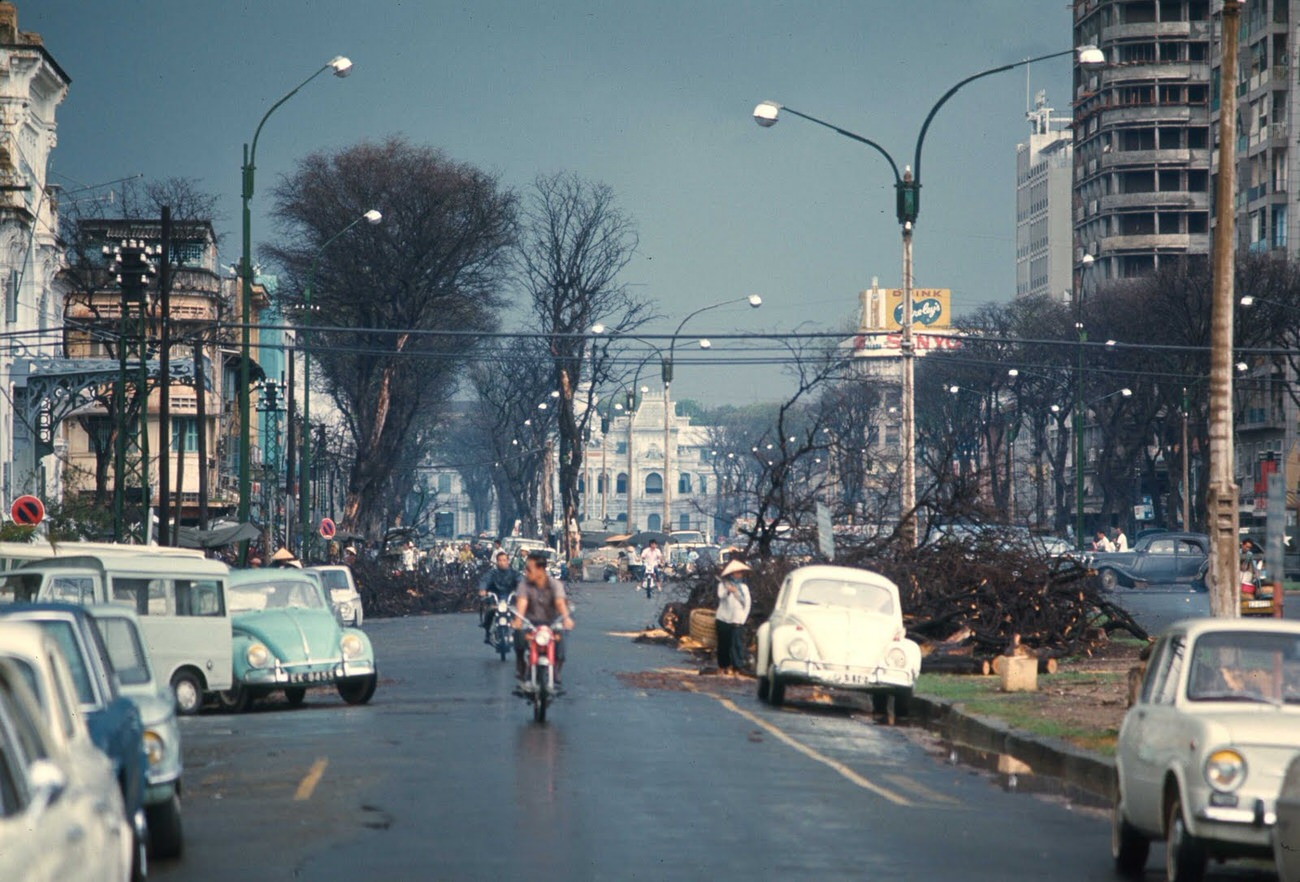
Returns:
(307,785)
(921,790)
(847,773)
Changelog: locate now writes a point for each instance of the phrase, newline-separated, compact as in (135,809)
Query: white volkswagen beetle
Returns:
(1202,754)
(838,627)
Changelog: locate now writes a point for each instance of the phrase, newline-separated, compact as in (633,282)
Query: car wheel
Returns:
(237,699)
(764,690)
(1185,857)
(295,695)
(903,702)
(188,691)
(1109,579)
(879,703)
(1128,847)
(775,690)
(357,690)
(166,837)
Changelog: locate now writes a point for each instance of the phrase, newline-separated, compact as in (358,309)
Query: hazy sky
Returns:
(653,98)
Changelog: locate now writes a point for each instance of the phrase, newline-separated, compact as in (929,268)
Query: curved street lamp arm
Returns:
(925,126)
(251,161)
(852,135)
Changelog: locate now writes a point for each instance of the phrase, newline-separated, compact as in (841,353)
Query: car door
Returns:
(1152,736)
(1159,562)
(1191,558)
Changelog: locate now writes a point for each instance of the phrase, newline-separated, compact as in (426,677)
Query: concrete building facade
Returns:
(1044,232)
(1141,136)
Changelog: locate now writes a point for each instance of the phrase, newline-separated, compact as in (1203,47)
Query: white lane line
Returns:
(307,786)
(847,773)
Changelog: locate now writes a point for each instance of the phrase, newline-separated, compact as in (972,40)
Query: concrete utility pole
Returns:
(1221,503)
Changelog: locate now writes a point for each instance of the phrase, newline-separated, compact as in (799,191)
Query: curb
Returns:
(1051,757)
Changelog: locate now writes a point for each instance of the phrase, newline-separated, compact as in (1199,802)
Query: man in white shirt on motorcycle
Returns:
(652,559)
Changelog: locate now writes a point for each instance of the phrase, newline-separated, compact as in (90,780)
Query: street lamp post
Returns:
(754,301)
(341,67)
(304,482)
(907,186)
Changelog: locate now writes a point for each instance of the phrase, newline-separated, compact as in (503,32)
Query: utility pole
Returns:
(201,416)
(1221,502)
(132,267)
(1187,485)
(165,380)
(270,405)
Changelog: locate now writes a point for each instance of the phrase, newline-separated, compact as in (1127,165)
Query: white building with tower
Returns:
(32,85)
(1044,229)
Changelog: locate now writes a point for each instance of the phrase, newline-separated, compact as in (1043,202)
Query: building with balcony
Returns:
(1141,136)
(1044,233)
(32,85)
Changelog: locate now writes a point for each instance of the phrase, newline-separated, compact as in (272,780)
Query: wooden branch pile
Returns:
(385,593)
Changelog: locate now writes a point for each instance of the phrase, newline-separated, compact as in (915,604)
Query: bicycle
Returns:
(651,583)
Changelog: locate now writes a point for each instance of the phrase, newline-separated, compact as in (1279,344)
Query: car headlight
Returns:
(798,648)
(153,747)
(258,656)
(896,657)
(351,646)
(345,609)
(1225,770)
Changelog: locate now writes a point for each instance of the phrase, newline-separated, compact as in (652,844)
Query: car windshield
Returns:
(125,650)
(63,634)
(333,579)
(19,587)
(854,595)
(274,595)
(1245,666)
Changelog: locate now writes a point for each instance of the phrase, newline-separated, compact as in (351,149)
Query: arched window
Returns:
(684,522)
(582,484)
(684,482)
(622,517)
(620,483)
(652,523)
(654,484)
(600,483)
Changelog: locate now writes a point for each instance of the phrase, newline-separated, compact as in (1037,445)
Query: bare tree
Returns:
(575,243)
(435,264)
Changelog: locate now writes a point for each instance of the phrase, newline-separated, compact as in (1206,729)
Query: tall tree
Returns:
(574,244)
(435,264)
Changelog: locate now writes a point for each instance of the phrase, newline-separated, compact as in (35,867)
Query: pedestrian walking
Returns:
(1119,540)
(733,612)
(1101,543)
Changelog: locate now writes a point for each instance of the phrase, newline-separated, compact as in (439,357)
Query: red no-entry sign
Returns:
(326,528)
(27,511)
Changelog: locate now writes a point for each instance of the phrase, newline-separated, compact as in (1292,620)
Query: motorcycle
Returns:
(539,688)
(501,632)
(650,584)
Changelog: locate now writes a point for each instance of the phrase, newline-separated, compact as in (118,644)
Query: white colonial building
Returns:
(32,85)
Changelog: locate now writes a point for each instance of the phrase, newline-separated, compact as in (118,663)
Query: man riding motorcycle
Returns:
(541,600)
(499,581)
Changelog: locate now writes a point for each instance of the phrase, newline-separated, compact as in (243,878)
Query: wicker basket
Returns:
(704,629)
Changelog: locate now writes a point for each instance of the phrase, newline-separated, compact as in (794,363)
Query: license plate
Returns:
(856,679)
(1258,604)
(311,677)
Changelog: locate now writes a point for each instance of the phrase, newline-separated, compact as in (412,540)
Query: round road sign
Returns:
(27,511)
(326,528)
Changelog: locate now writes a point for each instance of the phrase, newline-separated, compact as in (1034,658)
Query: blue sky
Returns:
(653,98)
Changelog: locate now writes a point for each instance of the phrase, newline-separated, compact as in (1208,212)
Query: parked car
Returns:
(342,590)
(1157,559)
(1286,832)
(180,601)
(1201,755)
(285,637)
(120,630)
(112,719)
(840,627)
(61,811)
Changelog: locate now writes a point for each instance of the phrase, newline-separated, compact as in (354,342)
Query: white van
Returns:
(181,603)
(15,554)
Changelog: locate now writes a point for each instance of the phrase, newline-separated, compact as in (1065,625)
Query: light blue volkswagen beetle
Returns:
(287,638)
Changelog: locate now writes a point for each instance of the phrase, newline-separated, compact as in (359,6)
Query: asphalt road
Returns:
(445,776)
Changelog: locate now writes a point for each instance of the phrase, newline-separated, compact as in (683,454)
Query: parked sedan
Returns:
(839,627)
(111,717)
(162,735)
(1201,755)
(287,638)
(342,590)
(61,812)
(1158,559)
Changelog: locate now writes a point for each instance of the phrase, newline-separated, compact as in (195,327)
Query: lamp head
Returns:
(372,216)
(598,328)
(706,343)
(754,300)
(1087,260)
(954,389)
(1090,57)
(1013,372)
(1126,392)
(766,113)
(341,64)
(1247,300)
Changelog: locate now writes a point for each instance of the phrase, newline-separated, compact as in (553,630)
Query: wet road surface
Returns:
(445,776)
